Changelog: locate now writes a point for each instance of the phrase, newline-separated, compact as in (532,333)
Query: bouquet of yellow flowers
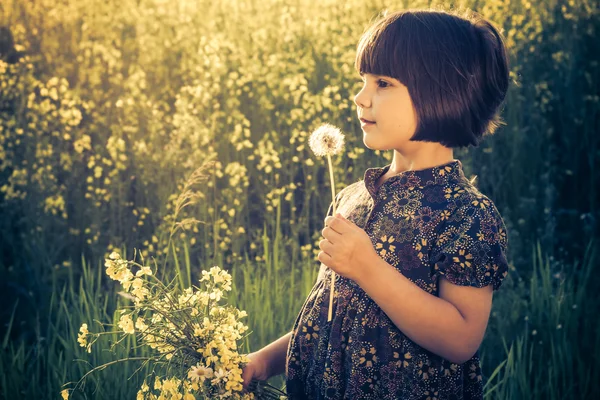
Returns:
(190,332)
(193,337)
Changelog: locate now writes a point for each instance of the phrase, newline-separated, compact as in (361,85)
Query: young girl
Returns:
(416,248)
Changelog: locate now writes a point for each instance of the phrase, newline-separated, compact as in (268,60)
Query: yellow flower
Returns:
(144,271)
(82,337)
(141,326)
(326,140)
(126,323)
(65,394)
(169,385)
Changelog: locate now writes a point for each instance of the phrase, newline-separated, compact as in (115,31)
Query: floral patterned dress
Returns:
(425,223)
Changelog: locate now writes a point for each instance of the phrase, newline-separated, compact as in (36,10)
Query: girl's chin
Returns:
(370,144)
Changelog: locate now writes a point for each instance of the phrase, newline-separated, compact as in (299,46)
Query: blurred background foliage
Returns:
(106,107)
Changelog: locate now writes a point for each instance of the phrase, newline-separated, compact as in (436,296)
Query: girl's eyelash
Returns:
(378,82)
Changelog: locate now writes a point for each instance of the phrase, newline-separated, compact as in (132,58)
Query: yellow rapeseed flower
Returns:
(82,337)
(126,323)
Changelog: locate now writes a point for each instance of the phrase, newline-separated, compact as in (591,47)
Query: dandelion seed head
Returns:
(326,140)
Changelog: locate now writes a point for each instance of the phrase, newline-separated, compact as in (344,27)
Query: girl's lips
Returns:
(364,124)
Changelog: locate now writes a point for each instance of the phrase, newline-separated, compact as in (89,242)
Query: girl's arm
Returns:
(451,327)
(274,355)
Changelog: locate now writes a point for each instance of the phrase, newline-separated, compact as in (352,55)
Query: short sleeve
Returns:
(471,250)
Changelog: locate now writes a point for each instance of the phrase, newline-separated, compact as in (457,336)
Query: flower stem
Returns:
(329,314)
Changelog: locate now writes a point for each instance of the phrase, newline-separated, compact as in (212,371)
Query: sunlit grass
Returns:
(117,102)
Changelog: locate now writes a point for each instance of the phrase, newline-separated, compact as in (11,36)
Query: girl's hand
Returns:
(257,368)
(347,249)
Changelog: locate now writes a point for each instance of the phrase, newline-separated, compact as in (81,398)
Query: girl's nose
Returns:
(361,99)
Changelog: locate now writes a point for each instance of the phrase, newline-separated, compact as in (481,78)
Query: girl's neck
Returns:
(427,156)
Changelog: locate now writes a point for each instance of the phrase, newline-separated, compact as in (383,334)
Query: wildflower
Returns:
(218,327)
(81,338)
(65,394)
(144,271)
(140,324)
(139,291)
(199,373)
(326,140)
(116,269)
(126,323)
(219,375)
(216,295)
(169,385)
(197,330)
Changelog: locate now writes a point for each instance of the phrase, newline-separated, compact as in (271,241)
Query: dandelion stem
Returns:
(331,291)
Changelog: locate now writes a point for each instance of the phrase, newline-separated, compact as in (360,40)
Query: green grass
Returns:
(515,364)
(232,67)
(548,331)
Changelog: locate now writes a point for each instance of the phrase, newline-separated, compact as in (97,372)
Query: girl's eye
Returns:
(380,83)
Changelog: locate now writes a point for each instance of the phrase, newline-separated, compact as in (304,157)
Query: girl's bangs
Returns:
(381,51)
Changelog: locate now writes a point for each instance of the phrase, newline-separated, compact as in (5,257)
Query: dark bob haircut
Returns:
(455,67)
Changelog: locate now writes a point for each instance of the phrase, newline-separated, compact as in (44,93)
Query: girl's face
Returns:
(387,102)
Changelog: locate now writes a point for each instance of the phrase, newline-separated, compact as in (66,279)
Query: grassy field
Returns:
(107,106)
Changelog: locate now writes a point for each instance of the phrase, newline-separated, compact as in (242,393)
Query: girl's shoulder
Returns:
(477,202)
